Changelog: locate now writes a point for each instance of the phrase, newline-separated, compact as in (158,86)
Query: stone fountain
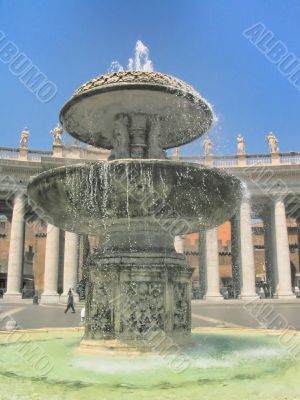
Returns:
(136,203)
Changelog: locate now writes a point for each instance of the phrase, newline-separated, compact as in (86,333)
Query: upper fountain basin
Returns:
(90,113)
(162,194)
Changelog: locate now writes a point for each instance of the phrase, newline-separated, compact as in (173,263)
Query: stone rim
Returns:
(143,77)
(147,81)
(226,179)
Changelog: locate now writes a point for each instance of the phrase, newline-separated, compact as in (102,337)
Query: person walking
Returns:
(70,303)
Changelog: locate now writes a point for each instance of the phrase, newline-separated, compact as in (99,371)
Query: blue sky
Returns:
(199,41)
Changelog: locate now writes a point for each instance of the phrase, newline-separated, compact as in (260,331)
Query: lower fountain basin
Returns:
(94,197)
(227,364)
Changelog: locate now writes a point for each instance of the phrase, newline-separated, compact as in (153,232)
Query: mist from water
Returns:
(140,61)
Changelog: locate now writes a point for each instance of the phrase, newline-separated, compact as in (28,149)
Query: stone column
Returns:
(270,260)
(202,267)
(211,265)
(235,255)
(71,257)
(178,244)
(246,252)
(16,250)
(50,294)
(298,242)
(281,251)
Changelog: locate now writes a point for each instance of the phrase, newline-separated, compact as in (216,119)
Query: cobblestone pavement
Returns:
(253,315)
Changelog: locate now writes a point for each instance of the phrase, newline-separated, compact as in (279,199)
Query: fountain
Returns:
(137,342)
(136,202)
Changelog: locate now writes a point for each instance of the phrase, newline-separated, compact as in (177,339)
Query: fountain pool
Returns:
(225,363)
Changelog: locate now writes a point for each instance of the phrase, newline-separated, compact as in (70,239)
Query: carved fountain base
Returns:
(137,302)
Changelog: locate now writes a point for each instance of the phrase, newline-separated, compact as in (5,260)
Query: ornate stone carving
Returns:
(57,133)
(83,119)
(240,145)
(181,306)
(273,141)
(138,135)
(144,310)
(120,138)
(24,139)
(155,149)
(100,304)
(137,76)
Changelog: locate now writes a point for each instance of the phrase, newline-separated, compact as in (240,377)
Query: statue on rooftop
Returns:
(57,133)
(24,138)
(240,145)
(272,140)
(207,145)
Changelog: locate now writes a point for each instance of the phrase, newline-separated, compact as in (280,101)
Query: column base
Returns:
(49,298)
(250,296)
(213,297)
(64,298)
(12,296)
(284,296)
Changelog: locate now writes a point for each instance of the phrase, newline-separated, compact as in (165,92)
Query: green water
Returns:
(222,365)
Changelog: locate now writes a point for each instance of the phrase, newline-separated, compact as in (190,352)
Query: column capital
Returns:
(246,199)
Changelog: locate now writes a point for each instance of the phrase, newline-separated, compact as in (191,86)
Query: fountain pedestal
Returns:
(131,296)
(137,286)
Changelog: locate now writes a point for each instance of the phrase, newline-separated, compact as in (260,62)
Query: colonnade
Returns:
(243,267)
(52,257)
(276,255)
